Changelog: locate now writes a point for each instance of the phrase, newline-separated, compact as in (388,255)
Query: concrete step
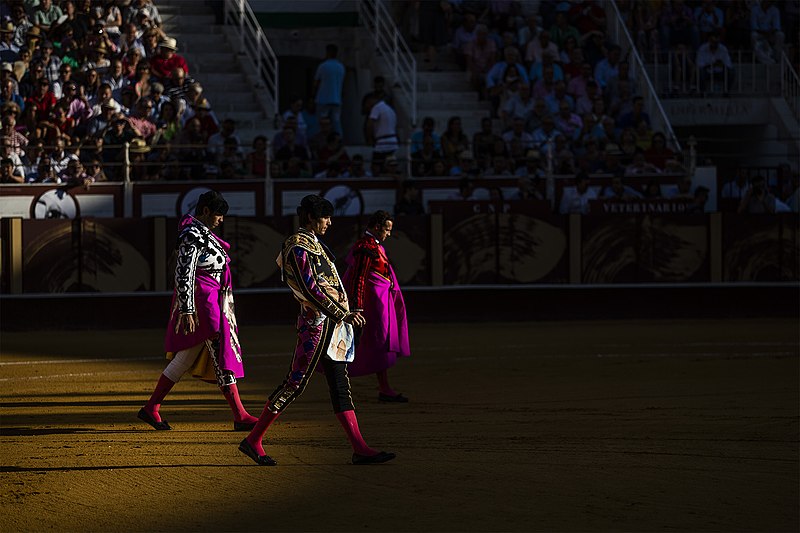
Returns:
(454,106)
(188,32)
(443,82)
(200,67)
(466,98)
(470,119)
(182,6)
(189,18)
(221,104)
(224,81)
(206,44)
(444,62)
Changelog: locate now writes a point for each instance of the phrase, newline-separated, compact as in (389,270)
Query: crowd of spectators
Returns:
(81,78)
(699,37)
(560,91)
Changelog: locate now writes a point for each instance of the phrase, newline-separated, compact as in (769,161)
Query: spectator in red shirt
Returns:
(43,98)
(163,63)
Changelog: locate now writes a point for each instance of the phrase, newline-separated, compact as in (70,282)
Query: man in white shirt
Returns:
(714,63)
(576,199)
(765,27)
(380,131)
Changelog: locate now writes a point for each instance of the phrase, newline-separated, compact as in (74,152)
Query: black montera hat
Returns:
(315,207)
(214,201)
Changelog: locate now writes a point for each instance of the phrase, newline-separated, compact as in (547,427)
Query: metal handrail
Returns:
(391,45)
(790,85)
(622,37)
(254,46)
(748,77)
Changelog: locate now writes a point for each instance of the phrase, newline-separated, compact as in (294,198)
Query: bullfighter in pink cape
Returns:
(373,289)
(324,334)
(202,333)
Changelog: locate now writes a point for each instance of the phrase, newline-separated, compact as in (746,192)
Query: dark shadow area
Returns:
(10,469)
(78,394)
(35,432)
(106,403)
(426,305)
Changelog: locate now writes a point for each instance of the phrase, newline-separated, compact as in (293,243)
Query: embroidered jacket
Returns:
(198,249)
(368,256)
(308,268)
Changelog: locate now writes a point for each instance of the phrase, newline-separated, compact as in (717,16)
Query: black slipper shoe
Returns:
(263,460)
(380,457)
(147,417)
(396,399)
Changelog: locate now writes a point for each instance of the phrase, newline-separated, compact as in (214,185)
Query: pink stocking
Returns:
(231,393)
(383,383)
(265,420)
(163,387)
(350,424)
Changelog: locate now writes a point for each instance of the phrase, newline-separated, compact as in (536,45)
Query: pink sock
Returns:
(163,387)
(383,383)
(257,433)
(231,393)
(350,424)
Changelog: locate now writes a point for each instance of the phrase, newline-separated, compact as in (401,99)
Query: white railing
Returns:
(389,43)
(790,85)
(255,48)
(676,74)
(619,32)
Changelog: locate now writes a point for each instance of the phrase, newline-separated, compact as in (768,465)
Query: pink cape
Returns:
(208,300)
(385,337)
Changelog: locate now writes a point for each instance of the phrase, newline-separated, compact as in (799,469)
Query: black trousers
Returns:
(299,374)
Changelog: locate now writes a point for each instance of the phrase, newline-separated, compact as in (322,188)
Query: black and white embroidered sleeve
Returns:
(190,248)
(197,250)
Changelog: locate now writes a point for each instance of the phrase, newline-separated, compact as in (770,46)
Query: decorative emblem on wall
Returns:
(55,203)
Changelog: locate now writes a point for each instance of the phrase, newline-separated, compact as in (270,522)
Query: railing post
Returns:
(783,76)
(739,62)
(669,70)
(408,157)
(259,52)
(126,161)
(241,26)
(692,142)
(550,179)
(394,55)
(376,21)
(127,185)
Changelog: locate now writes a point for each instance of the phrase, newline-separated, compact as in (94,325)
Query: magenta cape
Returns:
(385,337)
(210,301)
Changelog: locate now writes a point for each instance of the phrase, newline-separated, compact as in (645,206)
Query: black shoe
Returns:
(147,417)
(263,460)
(397,399)
(380,457)
(243,426)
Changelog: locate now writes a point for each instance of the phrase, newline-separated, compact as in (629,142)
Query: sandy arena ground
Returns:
(559,426)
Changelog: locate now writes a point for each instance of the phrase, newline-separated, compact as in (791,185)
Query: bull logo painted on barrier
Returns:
(346,201)
(55,203)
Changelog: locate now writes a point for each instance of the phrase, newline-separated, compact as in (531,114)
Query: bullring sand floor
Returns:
(549,426)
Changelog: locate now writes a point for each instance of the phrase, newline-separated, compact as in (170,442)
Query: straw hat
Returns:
(138,146)
(7,27)
(20,68)
(169,43)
